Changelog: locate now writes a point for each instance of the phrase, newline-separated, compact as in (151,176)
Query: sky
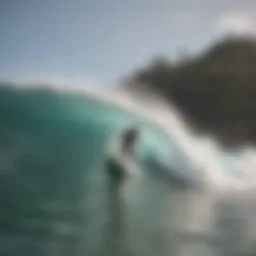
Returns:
(97,42)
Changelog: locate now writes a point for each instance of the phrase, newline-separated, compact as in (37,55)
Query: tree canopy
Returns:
(216,90)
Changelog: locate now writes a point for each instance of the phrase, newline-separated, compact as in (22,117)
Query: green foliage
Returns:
(215,90)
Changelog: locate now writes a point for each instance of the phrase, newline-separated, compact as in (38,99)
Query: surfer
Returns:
(118,166)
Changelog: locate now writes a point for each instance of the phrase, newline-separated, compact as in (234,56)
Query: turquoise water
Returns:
(51,176)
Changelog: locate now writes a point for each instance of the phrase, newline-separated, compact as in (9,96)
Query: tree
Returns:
(216,90)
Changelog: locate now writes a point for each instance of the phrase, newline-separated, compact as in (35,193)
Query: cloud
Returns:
(236,23)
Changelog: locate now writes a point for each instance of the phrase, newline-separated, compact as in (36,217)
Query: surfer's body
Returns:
(118,167)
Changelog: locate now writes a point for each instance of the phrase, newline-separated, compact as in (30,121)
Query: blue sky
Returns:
(99,41)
